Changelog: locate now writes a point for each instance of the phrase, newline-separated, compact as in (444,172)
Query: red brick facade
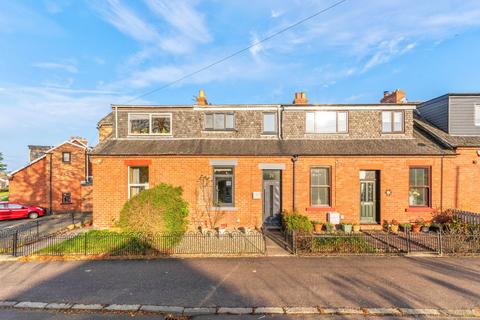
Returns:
(31,185)
(454,184)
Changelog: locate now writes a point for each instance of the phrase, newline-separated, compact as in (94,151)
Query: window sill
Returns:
(224,209)
(66,204)
(320,209)
(419,209)
(224,131)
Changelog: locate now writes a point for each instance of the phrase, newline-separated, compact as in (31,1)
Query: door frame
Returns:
(280,191)
(377,181)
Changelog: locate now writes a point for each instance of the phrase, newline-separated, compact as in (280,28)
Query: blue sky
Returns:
(62,63)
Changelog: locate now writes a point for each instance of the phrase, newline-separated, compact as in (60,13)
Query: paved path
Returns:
(52,315)
(327,282)
(47,224)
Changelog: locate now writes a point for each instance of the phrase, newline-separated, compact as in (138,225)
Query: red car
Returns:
(9,210)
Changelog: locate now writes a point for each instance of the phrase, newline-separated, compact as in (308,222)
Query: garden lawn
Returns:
(98,242)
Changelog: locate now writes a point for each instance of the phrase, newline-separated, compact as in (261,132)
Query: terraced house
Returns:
(245,164)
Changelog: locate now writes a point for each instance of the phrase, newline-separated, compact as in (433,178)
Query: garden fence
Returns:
(468,217)
(383,243)
(234,243)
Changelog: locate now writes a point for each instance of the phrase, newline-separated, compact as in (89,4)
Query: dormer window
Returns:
(150,124)
(327,122)
(219,121)
(392,122)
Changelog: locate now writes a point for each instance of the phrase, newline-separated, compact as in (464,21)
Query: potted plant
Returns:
(356,227)
(436,227)
(347,227)
(317,225)
(405,227)
(329,227)
(425,227)
(417,226)
(394,226)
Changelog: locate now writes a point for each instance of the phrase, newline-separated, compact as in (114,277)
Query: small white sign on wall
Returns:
(256,195)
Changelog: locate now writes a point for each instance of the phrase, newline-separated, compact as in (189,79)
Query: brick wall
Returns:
(110,191)
(31,185)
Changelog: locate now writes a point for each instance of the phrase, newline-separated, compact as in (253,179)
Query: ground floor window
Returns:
(137,180)
(419,192)
(223,186)
(66,198)
(320,186)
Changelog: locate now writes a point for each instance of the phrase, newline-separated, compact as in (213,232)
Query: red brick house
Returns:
(57,178)
(244,164)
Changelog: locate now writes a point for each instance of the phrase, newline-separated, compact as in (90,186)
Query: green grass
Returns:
(3,195)
(336,245)
(96,242)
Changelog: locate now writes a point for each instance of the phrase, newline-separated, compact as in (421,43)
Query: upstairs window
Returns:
(219,121)
(392,121)
(66,157)
(477,115)
(269,122)
(419,192)
(137,180)
(153,124)
(327,122)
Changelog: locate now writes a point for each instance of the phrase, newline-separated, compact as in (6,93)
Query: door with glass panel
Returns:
(272,197)
(368,196)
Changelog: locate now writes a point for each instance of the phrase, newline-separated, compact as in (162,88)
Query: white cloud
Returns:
(387,50)
(56,65)
(276,13)
(183,16)
(256,49)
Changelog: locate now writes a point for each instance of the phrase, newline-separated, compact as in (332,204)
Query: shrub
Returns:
(297,222)
(157,210)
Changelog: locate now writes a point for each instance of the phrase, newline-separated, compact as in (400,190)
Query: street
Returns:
(47,224)
(235,282)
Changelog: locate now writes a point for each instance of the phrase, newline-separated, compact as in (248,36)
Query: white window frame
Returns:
(145,185)
(225,114)
(150,133)
(275,125)
(392,121)
(476,117)
(315,130)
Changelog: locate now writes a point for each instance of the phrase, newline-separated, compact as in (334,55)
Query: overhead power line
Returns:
(236,53)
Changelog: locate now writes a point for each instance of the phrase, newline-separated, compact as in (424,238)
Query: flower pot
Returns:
(347,228)
(356,228)
(329,227)
(425,229)
(416,228)
(318,227)
(394,228)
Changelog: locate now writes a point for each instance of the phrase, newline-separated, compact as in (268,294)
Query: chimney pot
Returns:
(300,98)
(202,99)
(396,96)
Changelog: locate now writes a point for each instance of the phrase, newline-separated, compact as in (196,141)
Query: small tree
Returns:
(3,166)
(210,213)
(157,210)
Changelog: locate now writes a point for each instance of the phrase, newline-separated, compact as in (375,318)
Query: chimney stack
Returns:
(201,99)
(397,96)
(300,98)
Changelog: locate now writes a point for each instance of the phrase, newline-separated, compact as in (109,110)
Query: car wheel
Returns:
(33,215)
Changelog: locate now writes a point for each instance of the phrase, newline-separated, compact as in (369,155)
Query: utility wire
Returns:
(188,75)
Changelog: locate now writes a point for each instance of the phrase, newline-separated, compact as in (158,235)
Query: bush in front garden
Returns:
(160,209)
(297,222)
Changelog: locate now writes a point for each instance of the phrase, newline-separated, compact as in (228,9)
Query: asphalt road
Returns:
(47,224)
(327,282)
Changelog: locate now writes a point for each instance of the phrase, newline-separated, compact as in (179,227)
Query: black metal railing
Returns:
(121,244)
(383,243)
(467,216)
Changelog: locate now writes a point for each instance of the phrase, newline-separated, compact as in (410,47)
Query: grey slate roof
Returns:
(442,137)
(420,145)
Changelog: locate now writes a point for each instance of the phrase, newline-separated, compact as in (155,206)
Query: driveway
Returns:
(376,282)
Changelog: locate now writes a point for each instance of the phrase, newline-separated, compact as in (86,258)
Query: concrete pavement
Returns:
(356,282)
